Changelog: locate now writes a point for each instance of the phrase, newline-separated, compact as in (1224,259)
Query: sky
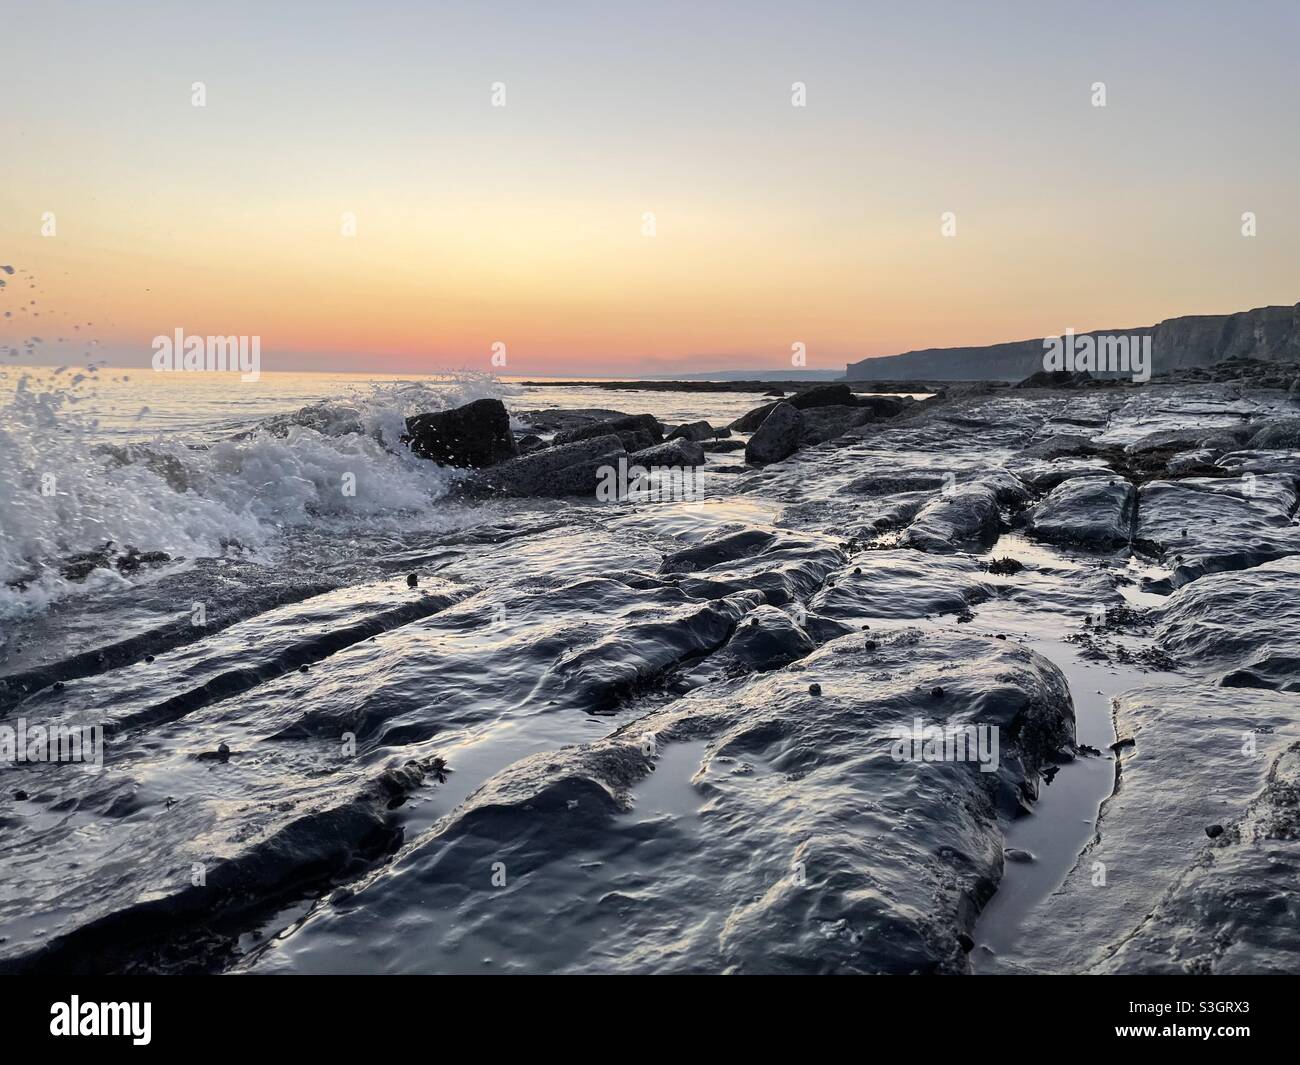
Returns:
(649,199)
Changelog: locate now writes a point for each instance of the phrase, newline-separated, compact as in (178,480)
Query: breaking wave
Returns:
(68,488)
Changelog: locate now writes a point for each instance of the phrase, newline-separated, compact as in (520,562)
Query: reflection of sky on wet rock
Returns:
(767,829)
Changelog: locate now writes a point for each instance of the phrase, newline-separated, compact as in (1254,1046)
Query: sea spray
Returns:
(67,486)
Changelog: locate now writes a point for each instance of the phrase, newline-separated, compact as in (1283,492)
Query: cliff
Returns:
(1194,340)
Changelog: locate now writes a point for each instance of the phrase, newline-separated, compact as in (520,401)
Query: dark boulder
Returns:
(670,453)
(1094,512)
(821,396)
(826,423)
(566,469)
(777,438)
(1056,379)
(963,515)
(751,420)
(724,549)
(838,395)
(475,435)
(768,638)
(696,431)
(1060,446)
(1277,434)
(646,424)
(883,406)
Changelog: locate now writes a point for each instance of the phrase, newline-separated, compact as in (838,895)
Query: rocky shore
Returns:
(581,736)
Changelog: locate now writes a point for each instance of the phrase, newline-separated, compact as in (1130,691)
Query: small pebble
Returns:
(148,658)
(302,669)
(1214,831)
(937,692)
(870,645)
(223,749)
(412,580)
(20,795)
(857,570)
(814,689)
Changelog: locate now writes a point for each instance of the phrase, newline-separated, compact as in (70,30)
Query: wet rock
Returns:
(896,481)
(475,435)
(719,446)
(530,442)
(1198,463)
(564,420)
(1225,913)
(565,469)
(1286,463)
(1245,624)
(829,792)
(635,424)
(127,560)
(751,420)
(412,579)
(882,407)
(837,395)
(777,438)
(966,515)
(269,591)
(1208,525)
(1182,767)
(767,639)
(899,585)
(1094,512)
(697,432)
(1061,445)
(826,423)
(723,549)
(1189,439)
(133,559)
(1277,434)
(1057,379)
(1044,476)
(640,440)
(251,866)
(679,453)
(789,570)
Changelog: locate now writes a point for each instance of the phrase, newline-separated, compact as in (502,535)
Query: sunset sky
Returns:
(523,224)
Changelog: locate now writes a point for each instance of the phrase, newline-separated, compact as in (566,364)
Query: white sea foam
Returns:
(337,464)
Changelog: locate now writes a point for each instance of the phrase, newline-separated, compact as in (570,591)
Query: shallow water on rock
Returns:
(616,704)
